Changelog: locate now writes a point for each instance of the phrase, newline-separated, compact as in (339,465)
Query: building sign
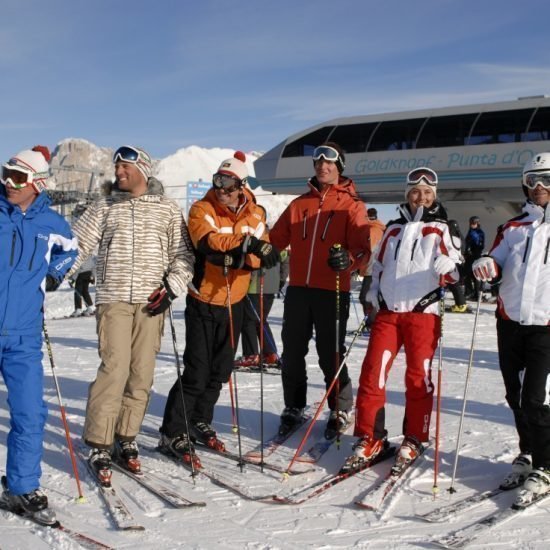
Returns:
(196,191)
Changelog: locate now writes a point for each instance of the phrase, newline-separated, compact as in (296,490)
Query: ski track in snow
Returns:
(331,520)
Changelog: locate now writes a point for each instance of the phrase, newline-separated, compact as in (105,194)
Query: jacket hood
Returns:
(154,187)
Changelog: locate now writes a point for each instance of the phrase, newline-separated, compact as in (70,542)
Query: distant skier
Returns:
(520,259)
(144,262)
(416,251)
(38,248)
(474,245)
(329,213)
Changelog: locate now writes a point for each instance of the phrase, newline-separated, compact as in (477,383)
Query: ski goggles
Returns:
(531,180)
(226,184)
(16,178)
(131,155)
(325,152)
(414,177)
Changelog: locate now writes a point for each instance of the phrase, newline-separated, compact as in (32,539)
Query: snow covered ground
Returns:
(329,521)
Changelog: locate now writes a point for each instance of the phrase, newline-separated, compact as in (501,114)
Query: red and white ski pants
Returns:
(419,334)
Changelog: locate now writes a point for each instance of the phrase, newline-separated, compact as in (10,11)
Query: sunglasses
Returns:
(415,176)
(325,152)
(16,179)
(537,178)
(226,184)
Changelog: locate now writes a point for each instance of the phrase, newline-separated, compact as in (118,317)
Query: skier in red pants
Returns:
(416,251)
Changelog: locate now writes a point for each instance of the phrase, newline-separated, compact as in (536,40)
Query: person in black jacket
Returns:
(475,243)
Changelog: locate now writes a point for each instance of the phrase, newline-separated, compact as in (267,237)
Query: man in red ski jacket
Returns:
(329,213)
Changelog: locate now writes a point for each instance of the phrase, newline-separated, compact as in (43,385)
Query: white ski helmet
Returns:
(538,163)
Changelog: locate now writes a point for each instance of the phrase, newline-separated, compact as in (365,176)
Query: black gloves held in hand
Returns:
(266,252)
(338,259)
(51,283)
(160,299)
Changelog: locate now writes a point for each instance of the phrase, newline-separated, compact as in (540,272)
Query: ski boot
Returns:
(290,417)
(33,505)
(521,468)
(272,360)
(337,423)
(409,451)
(365,449)
(206,435)
(536,484)
(100,462)
(126,453)
(181,447)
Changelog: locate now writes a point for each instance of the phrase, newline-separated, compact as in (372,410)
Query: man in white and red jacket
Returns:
(520,258)
(329,213)
(416,255)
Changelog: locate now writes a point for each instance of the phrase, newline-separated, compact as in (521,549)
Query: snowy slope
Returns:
(330,521)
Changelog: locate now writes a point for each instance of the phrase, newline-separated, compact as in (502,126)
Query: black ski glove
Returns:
(52,283)
(160,299)
(268,254)
(233,258)
(338,258)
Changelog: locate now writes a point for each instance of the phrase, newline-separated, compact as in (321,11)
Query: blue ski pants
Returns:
(21,367)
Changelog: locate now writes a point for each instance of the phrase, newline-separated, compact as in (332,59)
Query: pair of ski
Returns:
(375,496)
(464,536)
(122,516)
(81,539)
(46,518)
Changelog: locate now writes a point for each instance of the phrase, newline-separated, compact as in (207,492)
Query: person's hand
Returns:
(52,283)
(266,252)
(372,298)
(443,265)
(338,259)
(160,299)
(485,269)
(233,258)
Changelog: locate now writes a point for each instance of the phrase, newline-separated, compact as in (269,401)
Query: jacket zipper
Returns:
(304,225)
(397,249)
(413,248)
(103,275)
(526,249)
(310,261)
(546,253)
(33,253)
(325,230)
(13,239)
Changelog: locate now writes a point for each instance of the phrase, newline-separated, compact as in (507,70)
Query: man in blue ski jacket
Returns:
(37,248)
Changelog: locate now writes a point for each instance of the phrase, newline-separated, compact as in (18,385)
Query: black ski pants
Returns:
(208,363)
(307,309)
(251,325)
(524,355)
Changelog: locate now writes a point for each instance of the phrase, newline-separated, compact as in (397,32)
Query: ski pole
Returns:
(262,369)
(359,330)
(233,347)
(180,385)
(336,248)
(435,488)
(81,497)
(451,489)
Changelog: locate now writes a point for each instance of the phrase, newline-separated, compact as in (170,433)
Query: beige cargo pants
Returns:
(128,341)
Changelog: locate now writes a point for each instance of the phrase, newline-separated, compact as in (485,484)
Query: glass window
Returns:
(500,127)
(396,135)
(353,138)
(539,130)
(446,131)
(304,146)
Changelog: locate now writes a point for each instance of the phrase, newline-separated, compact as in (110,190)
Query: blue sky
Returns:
(246,74)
